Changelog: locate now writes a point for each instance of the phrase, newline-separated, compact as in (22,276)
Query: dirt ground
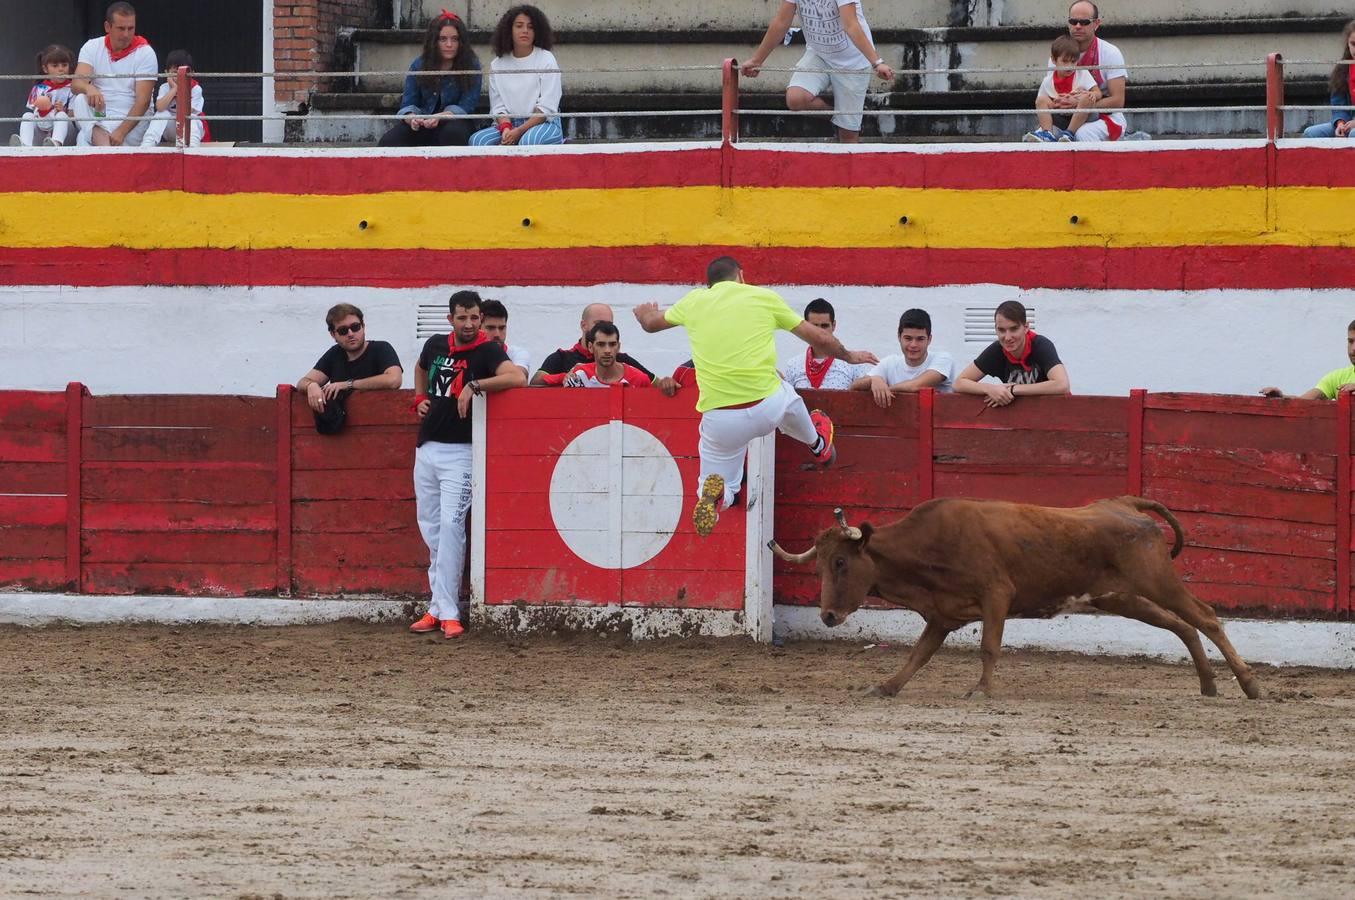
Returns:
(355,760)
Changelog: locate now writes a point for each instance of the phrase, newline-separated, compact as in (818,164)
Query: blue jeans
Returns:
(1321,130)
(547,132)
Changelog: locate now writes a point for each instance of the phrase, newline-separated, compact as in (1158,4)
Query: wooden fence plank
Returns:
(1270,469)
(153,515)
(363,409)
(32,446)
(224,484)
(1069,488)
(1057,414)
(689,589)
(178,444)
(383,447)
(955,446)
(33,411)
(353,484)
(350,516)
(32,511)
(1258,534)
(390,582)
(398,548)
(189,547)
(1242,499)
(32,574)
(1259,569)
(33,542)
(32,477)
(194,579)
(169,411)
(1222,431)
(581,586)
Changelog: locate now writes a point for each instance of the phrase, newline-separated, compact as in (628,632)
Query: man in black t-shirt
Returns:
(1024,362)
(565,359)
(352,364)
(453,369)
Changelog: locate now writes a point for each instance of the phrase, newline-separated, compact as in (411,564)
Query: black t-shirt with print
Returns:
(1043,357)
(563,360)
(449,372)
(375,360)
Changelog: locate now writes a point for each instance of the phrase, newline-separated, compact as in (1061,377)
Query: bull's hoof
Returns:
(881,692)
(978,689)
(1252,690)
(1209,690)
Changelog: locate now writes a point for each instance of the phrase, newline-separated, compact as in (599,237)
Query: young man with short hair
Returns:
(494,321)
(918,367)
(732,327)
(606,369)
(1334,383)
(1019,358)
(564,359)
(453,370)
(353,364)
(814,373)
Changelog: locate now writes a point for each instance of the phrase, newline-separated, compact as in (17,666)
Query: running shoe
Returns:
(428,623)
(707,511)
(1039,136)
(1065,136)
(824,426)
(451,628)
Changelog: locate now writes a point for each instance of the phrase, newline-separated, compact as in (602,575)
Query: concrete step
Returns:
(323,126)
(677,15)
(1242,43)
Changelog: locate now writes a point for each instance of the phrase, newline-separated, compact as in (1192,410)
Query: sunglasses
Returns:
(1082,22)
(342,330)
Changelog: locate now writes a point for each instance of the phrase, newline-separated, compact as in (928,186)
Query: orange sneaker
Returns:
(824,426)
(428,623)
(451,628)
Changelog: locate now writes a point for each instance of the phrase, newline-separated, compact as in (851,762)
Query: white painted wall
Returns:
(247,340)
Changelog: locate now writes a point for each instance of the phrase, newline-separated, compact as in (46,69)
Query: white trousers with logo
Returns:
(725,434)
(442,496)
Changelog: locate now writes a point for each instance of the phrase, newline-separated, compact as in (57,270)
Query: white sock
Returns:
(817,446)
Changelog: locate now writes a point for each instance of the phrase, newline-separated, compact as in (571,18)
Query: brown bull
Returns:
(960,561)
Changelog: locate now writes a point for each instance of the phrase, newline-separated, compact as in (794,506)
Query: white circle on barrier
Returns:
(616,496)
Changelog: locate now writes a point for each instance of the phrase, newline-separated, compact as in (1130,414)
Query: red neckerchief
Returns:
(115,55)
(1063,84)
(454,347)
(1025,354)
(56,85)
(580,349)
(816,370)
(1093,58)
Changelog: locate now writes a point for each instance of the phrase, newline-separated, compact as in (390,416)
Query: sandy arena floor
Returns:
(354,760)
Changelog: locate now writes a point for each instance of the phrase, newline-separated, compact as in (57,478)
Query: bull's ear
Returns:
(866,531)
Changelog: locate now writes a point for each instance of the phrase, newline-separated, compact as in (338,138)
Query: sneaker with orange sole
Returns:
(428,623)
(824,426)
(451,628)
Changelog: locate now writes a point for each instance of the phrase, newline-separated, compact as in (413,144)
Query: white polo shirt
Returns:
(119,93)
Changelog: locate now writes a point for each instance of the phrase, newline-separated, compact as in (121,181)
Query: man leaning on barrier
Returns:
(838,39)
(106,108)
(352,364)
(1334,383)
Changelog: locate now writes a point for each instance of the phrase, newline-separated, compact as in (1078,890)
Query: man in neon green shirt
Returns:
(1331,384)
(732,327)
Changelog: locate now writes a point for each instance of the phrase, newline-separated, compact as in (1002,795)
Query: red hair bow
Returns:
(448,14)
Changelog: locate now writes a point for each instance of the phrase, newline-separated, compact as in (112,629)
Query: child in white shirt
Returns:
(525,107)
(50,99)
(1063,80)
(167,103)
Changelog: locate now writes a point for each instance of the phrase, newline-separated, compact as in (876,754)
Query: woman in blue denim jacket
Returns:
(435,106)
(1342,94)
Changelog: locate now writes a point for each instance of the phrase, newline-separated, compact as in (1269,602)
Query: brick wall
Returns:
(305,33)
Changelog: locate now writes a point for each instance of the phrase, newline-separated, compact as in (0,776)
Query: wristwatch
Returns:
(879,62)
(475,388)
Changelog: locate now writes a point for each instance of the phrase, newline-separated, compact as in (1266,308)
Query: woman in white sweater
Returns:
(525,106)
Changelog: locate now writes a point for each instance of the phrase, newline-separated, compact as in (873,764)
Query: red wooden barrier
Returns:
(236,495)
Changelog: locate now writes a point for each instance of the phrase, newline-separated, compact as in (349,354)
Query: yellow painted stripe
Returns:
(682,216)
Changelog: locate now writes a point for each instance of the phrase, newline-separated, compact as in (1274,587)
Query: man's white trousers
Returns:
(725,434)
(442,494)
(85,121)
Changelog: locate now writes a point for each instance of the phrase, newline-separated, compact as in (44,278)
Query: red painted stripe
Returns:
(1131,268)
(1086,170)
(75,404)
(282,501)
(1016,169)
(324,174)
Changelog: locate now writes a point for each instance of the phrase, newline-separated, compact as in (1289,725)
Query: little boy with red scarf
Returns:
(453,370)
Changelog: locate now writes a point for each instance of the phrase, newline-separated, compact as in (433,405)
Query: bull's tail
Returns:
(1143,505)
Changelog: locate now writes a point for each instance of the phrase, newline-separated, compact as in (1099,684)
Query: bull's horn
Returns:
(793,557)
(851,531)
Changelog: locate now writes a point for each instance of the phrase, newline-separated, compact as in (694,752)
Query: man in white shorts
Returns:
(106,109)
(732,327)
(838,38)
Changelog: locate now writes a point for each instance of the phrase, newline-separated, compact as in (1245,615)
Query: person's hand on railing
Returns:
(1343,129)
(751,68)
(885,71)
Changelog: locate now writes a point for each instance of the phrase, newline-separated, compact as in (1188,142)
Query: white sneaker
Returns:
(1137,136)
(51,142)
(14,141)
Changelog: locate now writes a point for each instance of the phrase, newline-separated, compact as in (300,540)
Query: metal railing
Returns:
(731,108)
